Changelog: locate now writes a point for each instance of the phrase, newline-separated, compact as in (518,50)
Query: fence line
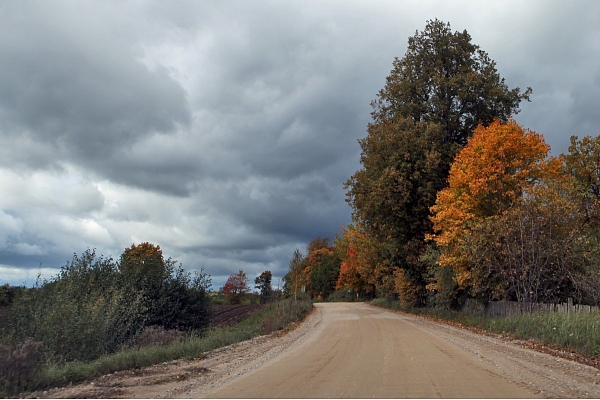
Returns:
(510,308)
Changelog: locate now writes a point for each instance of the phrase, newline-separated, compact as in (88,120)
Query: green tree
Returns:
(263,283)
(324,274)
(445,79)
(433,99)
(583,163)
(143,266)
(315,250)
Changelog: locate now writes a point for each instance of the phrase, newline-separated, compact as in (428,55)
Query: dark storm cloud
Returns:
(83,93)
(298,208)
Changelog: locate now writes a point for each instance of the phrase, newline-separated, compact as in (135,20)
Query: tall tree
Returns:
(433,99)
(263,283)
(315,250)
(295,280)
(360,264)
(324,273)
(403,170)
(583,163)
(446,79)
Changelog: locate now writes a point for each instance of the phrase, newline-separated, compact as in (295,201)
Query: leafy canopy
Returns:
(433,99)
(445,79)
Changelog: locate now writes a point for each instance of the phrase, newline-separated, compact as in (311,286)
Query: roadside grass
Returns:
(188,346)
(579,332)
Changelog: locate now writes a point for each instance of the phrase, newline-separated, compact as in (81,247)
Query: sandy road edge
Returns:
(532,344)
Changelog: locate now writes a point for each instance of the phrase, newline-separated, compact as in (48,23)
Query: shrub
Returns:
(20,366)
(340,295)
(156,336)
(92,308)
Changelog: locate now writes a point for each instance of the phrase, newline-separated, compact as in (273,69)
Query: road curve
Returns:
(359,351)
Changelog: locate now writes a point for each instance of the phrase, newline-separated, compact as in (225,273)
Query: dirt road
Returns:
(356,350)
(360,351)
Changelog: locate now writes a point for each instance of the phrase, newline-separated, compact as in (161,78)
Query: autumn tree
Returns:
(582,162)
(433,99)
(488,179)
(316,250)
(236,286)
(263,284)
(360,267)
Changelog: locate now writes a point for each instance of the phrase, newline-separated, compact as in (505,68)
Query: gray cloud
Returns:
(225,133)
(77,88)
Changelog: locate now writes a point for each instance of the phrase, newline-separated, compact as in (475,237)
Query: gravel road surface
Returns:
(358,351)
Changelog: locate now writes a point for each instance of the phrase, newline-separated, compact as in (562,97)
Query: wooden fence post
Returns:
(569,305)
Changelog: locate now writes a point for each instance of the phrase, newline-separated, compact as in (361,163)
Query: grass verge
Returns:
(578,332)
(277,316)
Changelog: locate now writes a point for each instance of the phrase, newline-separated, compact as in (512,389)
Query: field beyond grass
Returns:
(273,317)
(579,332)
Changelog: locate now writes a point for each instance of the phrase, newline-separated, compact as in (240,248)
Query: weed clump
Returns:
(20,366)
(156,336)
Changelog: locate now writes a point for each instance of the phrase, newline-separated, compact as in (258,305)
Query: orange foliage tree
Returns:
(360,262)
(314,253)
(489,176)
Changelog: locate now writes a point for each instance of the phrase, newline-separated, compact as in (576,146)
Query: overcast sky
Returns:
(224,131)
